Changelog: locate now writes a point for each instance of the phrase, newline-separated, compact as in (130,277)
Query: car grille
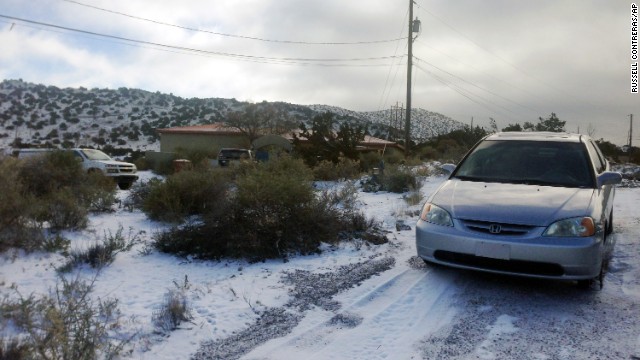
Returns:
(126,170)
(510,266)
(497,228)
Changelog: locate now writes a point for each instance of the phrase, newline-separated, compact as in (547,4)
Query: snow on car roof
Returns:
(536,136)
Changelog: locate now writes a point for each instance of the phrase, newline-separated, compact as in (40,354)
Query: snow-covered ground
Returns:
(355,301)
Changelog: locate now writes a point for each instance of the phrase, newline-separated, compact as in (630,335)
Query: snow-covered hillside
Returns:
(38,115)
(424,124)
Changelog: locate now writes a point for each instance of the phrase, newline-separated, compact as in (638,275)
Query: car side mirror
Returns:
(609,178)
(448,168)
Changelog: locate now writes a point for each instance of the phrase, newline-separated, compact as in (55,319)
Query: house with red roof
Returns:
(213,137)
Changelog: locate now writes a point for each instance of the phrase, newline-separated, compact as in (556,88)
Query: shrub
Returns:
(62,210)
(15,205)
(65,324)
(62,192)
(142,163)
(186,193)
(273,212)
(369,160)
(13,349)
(344,197)
(43,175)
(394,158)
(268,206)
(103,253)
(97,192)
(175,308)
(139,193)
(414,197)
(344,169)
(274,186)
(399,179)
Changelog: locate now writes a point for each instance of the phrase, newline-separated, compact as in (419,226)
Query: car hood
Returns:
(115,162)
(512,203)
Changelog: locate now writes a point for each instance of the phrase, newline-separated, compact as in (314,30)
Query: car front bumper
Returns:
(530,255)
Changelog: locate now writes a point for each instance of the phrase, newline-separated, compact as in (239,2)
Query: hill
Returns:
(39,115)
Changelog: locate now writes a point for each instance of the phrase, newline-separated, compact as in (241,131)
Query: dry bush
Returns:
(329,171)
(103,253)
(369,161)
(414,197)
(175,308)
(186,193)
(61,209)
(51,191)
(66,324)
(47,173)
(399,179)
(273,212)
(13,349)
(15,205)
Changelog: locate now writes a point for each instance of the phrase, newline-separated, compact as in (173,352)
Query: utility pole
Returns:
(414,26)
(630,130)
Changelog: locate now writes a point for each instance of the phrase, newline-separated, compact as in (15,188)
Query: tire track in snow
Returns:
(409,301)
(512,318)
(309,289)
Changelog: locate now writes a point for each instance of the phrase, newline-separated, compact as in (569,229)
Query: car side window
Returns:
(598,162)
(77,155)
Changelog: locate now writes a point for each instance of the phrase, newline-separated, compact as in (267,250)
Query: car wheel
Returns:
(125,186)
(588,283)
(585,284)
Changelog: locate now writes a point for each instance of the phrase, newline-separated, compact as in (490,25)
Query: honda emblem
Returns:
(495,228)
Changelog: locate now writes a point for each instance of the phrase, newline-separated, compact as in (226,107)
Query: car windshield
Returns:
(528,162)
(95,154)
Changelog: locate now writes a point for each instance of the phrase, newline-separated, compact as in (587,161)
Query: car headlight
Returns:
(574,227)
(435,215)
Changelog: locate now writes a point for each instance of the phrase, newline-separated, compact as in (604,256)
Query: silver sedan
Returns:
(530,203)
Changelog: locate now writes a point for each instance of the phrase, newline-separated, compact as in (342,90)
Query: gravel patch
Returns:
(346,320)
(319,288)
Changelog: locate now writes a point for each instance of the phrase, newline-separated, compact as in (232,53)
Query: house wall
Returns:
(172,142)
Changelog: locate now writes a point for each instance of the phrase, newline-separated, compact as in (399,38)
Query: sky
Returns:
(511,61)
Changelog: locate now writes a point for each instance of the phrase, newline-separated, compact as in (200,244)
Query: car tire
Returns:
(585,284)
(609,229)
(588,283)
(125,185)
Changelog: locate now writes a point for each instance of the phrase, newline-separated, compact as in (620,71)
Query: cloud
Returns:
(511,61)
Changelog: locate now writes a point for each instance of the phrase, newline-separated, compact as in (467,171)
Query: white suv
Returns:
(123,173)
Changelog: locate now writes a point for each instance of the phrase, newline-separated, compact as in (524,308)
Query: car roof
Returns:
(537,136)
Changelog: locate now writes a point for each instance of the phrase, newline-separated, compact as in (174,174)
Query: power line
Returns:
(477,86)
(383,101)
(285,60)
(232,35)
(471,65)
(464,92)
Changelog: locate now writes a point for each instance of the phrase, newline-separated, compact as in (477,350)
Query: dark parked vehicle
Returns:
(533,204)
(230,155)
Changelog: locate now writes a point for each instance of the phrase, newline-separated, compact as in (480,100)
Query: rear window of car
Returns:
(234,154)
